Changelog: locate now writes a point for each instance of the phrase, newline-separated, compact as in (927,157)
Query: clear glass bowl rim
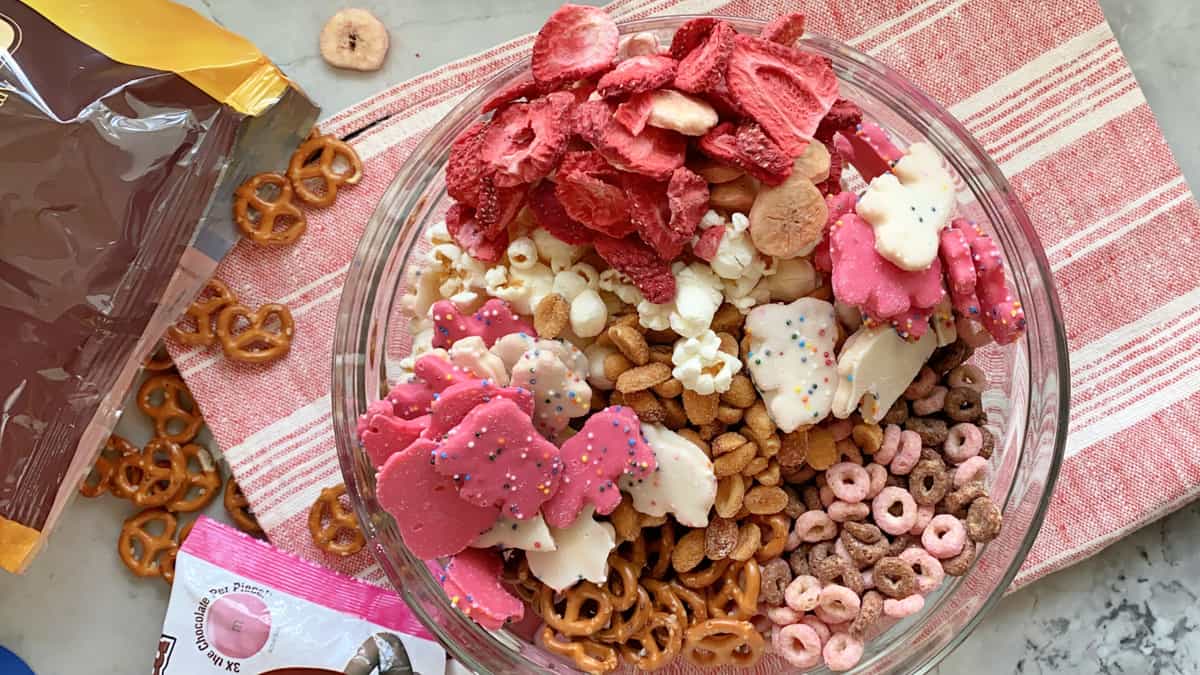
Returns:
(354,338)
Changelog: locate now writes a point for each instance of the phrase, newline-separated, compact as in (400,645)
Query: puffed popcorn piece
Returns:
(576,279)
(684,483)
(554,252)
(698,296)
(588,314)
(521,288)
(618,284)
(522,253)
(655,316)
(581,553)
(701,365)
(736,252)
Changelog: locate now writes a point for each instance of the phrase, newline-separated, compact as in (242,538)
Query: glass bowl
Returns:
(1026,404)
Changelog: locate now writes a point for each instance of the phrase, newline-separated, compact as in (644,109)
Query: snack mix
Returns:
(681,390)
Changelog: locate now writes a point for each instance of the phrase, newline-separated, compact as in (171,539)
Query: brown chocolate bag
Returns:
(124,129)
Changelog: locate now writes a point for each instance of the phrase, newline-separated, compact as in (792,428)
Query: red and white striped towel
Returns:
(1059,110)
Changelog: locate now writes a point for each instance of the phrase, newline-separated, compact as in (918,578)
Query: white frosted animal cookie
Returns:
(530,534)
(683,484)
(791,359)
(875,367)
(513,346)
(909,207)
(701,366)
(559,394)
(471,354)
(581,553)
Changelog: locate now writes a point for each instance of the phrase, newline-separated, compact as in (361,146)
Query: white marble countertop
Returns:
(1131,609)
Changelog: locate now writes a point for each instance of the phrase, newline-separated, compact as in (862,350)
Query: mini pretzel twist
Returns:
(166,566)
(100,479)
(249,200)
(586,609)
(238,508)
(624,624)
(255,344)
(205,480)
(171,409)
(656,644)
(703,577)
(694,602)
(622,583)
(722,642)
(215,297)
(139,549)
(735,594)
(333,526)
(301,170)
(775,529)
(658,550)
(159,360)
(588,655)
(154,476)
(521,579)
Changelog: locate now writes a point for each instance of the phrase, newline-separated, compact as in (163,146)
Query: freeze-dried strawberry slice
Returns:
(833,184)
(650,214)
(701,69)
(651,274)
(786,90)
(635,113)
(498,206)
(575,42)
(690,35)
(654,152)
(523,87)
(705,248)
(842,116)
(589,198)
(638,74)
(730,145)
(784,29)
(465,166)
(467,233)
(551,215)
(687,198)
(525,141)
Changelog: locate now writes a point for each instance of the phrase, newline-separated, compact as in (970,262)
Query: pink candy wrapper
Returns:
(240,606)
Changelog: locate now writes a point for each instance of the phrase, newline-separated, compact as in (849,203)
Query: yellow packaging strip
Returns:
(18,544)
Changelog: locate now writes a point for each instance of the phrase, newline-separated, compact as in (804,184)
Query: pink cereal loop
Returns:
(881,507)
(839,603)
(814,526)
(848,481)
(975,468)
(932,403)
(868,577)
(818,625)
(793,541)
(803,594)
(891,443)
(783,616)
(944,537)
(921,386)
(910,453)
(928,568)
(840,550)
(963,442)
(842,652)
(799,645)
(827,496)
(898,609)
(972,332)
(878,475)
(841,429)
(924,515)
(841,511)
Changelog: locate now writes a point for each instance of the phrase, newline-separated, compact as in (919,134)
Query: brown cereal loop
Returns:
(929,482)
(238,508)
(957,502)
(326,150)
(983,520)
(950,357)
(279,221)
(834,568)
(864,542)
(177,409)
(868,613)
(215,297)
(721,642)
(776,575)
(960,564)
(334,527)
(798,562)
(894,577)
(900,543)
(720,537)
(963,404)
(989,444)
(256,343)
(897,414)
(586,609)
(933,432)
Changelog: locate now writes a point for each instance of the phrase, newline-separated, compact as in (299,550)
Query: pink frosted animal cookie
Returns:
(433,520)
(1000,312)
(432,373)
(472,583)
(492,321)
(863,278)
(869,149)
(382,407)
(960,269)
(385,435)
(454,402)
(609,445)
(498,459)
(839,205)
